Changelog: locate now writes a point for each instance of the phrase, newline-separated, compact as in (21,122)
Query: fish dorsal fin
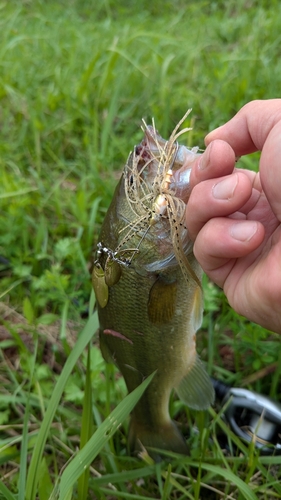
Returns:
(162,301)
(196,389)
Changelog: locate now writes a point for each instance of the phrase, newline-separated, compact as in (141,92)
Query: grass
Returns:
(76,78)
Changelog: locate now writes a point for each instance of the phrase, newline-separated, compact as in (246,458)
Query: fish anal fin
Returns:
(162,301)
(196,389)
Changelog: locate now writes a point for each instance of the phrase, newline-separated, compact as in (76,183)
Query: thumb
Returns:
(270,169)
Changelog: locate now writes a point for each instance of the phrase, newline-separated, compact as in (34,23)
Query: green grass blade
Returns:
(230,476)
(109,459)
(112,112)
(6,493)
(86,429)
(167,485)
(24,444)
(23,454)
(126,475)
(45,485)
(33,472)
(122,494)
(100,437)
(20,192)
(174,483)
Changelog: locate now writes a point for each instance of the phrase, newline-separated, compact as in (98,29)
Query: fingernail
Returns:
(205,159)
(243,231)
(224,190)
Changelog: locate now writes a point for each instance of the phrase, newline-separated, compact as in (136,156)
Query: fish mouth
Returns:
(162,166)
(154,149)
(156,198)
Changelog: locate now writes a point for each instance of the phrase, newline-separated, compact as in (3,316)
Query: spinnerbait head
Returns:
(115,256)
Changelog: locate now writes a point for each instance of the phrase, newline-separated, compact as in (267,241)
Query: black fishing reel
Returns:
(251,416)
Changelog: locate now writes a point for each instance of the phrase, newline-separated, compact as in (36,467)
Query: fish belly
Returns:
(139,347)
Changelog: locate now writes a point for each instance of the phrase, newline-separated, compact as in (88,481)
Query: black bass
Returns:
(148,289)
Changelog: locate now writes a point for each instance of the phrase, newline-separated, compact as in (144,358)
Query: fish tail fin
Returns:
(196,389)
(164,437)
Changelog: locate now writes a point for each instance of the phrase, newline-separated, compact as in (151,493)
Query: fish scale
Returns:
(151,304)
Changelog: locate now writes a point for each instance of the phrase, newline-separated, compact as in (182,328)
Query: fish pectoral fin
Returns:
(162,301)
(195,388)
(197,309)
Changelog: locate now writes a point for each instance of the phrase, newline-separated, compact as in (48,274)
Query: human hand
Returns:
(234,215)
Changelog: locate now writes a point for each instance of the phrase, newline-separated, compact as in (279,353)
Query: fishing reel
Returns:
(251,416)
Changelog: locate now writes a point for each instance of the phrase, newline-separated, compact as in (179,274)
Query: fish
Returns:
(148,289)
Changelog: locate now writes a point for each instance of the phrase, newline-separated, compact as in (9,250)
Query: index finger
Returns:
(257,126)
(248,130)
